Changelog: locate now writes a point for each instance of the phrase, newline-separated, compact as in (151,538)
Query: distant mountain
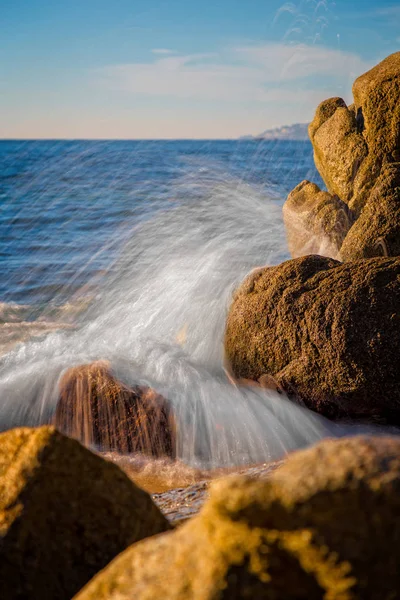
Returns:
(297,131)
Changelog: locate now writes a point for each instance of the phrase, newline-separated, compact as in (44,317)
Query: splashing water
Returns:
(158,317)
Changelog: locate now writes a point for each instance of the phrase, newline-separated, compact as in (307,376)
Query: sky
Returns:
(170,69)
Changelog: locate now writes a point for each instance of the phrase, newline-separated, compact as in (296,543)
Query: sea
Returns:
(130,251)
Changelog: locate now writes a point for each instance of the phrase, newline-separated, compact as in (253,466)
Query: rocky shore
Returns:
(306,532)
(323,331)
(356,151)
(327,333)
(321,524)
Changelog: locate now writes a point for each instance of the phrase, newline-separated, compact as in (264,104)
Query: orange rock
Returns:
(97,409)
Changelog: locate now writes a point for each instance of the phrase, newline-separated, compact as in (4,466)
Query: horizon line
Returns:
(79,139)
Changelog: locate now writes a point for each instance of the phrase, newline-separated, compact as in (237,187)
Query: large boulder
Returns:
(99,410)
(64,514)
(353,147)
(327,332)
(324,525)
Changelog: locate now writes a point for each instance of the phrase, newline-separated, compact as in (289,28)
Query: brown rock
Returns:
(324,525)
(376,232)
(316,222)
(329,334)
(353,148)
(339,148)
(352,144)
(64,514)
(97,409)
(377,102)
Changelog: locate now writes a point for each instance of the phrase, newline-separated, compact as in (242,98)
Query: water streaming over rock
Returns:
(157,314)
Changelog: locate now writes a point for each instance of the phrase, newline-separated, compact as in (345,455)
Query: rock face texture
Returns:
(316,222)
(357,152)
(97,409)
(64,514)
(327,332)
(376,232)
(323,526)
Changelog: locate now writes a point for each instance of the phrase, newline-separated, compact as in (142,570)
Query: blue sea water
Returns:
(129,252)
(66,206)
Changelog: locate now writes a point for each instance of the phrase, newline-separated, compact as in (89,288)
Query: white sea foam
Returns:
(159,317)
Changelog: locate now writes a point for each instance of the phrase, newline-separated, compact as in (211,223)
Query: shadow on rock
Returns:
(324,525)
(324,332)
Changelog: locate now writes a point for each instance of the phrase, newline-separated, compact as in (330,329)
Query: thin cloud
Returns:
(289,63)
(252,74)
(163,51)
(388,11)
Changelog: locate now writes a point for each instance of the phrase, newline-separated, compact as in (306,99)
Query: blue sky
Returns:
(181,69)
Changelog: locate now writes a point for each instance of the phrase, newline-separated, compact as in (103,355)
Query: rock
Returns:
(352,144)
(316,222)
(97,409)
(377,230)
(376,96)
(327,332)
(181,504)
(324,525)
(65,513)
(355,151)
(339,148)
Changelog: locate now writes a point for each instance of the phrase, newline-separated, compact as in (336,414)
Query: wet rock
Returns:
(323,526)
(65,513)
(353,147)
(97,409)
(181,504)
(327,332)
(316,222)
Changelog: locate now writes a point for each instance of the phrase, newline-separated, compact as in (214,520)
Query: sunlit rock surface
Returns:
(376,232)
(64,514)
(316,221)
(324,525)
(97,409)
(357,152)
(328,333)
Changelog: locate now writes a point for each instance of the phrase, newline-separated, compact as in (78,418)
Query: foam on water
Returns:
(158,316)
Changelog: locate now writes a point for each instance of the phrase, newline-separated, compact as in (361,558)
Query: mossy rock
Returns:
(99,410)
(325,525)
(64,514)
(327,332)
